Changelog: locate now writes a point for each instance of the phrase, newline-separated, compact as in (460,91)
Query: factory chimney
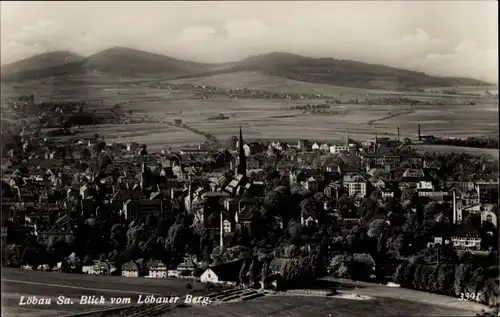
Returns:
(221,231)
(346,137)
(398,135)
(454,207)
(419,136)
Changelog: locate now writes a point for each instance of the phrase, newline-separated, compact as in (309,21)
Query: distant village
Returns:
(254,214)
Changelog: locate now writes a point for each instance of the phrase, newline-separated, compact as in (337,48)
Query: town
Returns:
(254,214)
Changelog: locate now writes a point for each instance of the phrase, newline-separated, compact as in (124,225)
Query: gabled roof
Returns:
(247,213)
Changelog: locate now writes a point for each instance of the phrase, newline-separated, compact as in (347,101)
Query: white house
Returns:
(227,226)
(437,241)
(471,242)
(425,184)
(315,147)
(355,185)
(335,149)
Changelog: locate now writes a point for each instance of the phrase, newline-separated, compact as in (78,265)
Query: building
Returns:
(226,224)
(131,269)
(438,241)
(139,209)
(312,185)
(487,192)
(336,149)
(489,216)
(355,186)
(157,269)
(466,238)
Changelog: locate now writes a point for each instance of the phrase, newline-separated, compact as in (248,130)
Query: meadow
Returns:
(294,306)
(260,119)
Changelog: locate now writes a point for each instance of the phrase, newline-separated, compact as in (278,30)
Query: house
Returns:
(438,241)
(157,269)
(489,216)
(356,185)
(227,273)
(311,184)
(226,226)
(425,185)
(308,220)
(332,191)
(315,147)
(387,193)
(466,237)
(138,209)
(104,268)
(336,149)
(131,269)
(187,267)
(487,192)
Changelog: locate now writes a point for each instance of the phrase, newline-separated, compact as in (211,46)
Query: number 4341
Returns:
(470,296)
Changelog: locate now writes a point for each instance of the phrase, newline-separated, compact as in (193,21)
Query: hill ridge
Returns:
(130,62)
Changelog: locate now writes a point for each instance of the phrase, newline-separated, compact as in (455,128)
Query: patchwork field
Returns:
(155,135)
(260,119)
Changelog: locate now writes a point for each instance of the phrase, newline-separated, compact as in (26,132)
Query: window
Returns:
(489,218)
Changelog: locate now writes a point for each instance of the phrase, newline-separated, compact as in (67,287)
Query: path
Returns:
(369,123)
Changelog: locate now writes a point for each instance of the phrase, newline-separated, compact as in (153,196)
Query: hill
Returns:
(345,72)
(117,61)
(128,62)
(42,61)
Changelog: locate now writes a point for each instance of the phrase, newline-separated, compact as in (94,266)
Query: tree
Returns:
(251,274)
(104,161)
(231,142)
(242,273)
(264,273)
(99,147)
(376,228)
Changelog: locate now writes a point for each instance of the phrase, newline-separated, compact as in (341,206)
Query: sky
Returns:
(448,38)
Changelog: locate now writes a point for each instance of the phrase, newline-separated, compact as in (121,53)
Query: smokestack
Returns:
(419,136)
(398,135)
(346,137)
(221,231)
(454,207)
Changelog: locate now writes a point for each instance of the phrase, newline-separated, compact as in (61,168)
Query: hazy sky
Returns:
(455,38)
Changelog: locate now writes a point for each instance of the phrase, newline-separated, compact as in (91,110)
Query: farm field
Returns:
(284,306)
(260,119)
(455,149)
(155,135)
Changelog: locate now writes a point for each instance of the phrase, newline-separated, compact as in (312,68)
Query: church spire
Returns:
(242,168)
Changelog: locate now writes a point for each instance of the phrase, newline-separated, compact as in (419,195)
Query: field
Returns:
(16,283)
(262,119)
(282,306)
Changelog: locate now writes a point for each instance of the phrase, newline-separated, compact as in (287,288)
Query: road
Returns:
(17,283)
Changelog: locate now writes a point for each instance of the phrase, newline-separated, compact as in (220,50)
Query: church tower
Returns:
(242,167)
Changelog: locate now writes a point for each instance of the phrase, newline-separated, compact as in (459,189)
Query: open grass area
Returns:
(284,306)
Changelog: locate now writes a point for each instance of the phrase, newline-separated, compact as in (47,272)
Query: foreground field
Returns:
(294,306)
(17,283)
